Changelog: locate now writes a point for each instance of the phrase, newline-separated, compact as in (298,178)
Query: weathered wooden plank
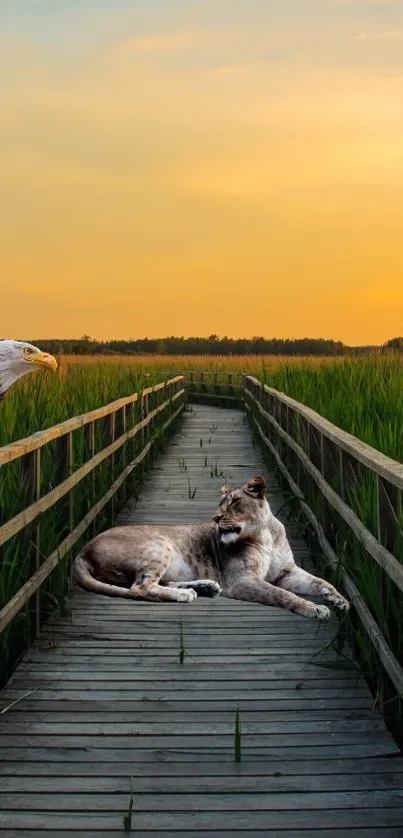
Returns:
(369,748)
(337,699)
(175,699)
(163,713)
(200,784)
(140,692)
(295,672)
(252,646)
(156,766)
(312,727)
(112,679)
(199,741)
(387,832)
(272,634)
(206,802)
(231,821)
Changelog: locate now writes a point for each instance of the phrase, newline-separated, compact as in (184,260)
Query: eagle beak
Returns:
(43,359)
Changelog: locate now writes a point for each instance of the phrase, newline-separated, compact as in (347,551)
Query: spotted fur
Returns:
(242,553)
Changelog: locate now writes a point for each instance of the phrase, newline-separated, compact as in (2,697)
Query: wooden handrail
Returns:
(382,556)
(173,389)
(16,524)
(387,470)
(34,582)
(31,443)
(371,458)
(386,656)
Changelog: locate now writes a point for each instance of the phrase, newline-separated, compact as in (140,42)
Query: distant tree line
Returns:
(212,345)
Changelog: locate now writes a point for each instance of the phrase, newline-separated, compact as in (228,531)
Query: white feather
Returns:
(13,364)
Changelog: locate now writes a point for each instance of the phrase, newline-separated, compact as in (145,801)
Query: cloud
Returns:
(369,3)
(391,35)
(179,40)
(164,43)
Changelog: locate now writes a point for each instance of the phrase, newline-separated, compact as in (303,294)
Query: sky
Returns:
(193,167)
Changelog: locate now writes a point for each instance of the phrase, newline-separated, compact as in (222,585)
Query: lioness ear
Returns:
(256,487)
(225,490)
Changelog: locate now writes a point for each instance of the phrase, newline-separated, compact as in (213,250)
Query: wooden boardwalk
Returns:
(105,699)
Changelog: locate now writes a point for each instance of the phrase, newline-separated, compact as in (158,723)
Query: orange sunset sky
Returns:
(201,166)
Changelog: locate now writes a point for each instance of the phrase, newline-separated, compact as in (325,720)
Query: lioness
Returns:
(243,553)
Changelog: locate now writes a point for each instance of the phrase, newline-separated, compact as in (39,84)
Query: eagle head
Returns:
(17,359)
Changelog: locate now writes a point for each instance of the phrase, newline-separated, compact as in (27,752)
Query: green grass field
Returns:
(38,402)
(364,396)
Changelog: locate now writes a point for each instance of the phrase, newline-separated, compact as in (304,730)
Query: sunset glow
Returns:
(202,166)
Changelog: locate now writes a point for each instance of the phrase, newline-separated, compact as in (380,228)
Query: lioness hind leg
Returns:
(154,592)
(203,587)
(300,582)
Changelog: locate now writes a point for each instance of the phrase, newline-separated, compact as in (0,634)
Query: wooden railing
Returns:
(219,387)
(129,426)
(312,452)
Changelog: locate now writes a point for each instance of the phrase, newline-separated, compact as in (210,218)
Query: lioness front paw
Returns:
(207,588)
(322,612)
(338,601)
(187,595)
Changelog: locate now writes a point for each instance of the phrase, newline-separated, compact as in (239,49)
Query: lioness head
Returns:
(242,512)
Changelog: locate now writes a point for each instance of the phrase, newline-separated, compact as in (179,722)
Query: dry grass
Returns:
(253,364)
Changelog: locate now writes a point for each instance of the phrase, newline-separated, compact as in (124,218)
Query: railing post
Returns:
(64,470)
(388,502)
(89,433)
(31,476)
(145,430)
(124,454)
(145,416)
(325,471)
(341,475)
(112,436)
(297,437)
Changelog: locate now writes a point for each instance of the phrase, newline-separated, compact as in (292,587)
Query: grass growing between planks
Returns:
(237,737)
(127,817)
(182,650)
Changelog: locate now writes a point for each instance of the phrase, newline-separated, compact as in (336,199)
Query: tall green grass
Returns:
(42,400)
(364,396)
(34,404)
